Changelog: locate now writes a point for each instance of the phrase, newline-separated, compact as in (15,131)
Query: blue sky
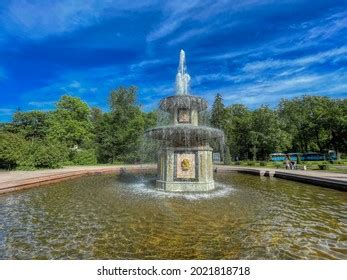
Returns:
(253,52)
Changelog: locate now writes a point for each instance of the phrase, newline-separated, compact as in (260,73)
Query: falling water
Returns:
(182,77)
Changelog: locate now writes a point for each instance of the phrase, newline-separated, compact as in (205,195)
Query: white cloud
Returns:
(290,72)
(327,28)
(176,13)
(6,111)
(271,91)
(37,19)
(188,35)
(219,77)
(75,84)
(144,63)
(305,35)
(334,54)
(41,104)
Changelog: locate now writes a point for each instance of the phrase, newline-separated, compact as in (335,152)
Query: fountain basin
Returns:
(111,217)
(184,132)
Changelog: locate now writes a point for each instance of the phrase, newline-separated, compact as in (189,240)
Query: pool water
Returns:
(112,217)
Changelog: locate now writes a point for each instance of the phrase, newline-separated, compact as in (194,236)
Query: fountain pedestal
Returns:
(183,169)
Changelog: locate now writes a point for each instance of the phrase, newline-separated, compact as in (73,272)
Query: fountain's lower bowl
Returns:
(184,133)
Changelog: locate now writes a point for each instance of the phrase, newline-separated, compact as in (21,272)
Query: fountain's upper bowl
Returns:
(169,104)
(184,133)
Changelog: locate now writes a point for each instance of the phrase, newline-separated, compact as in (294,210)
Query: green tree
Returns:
(218,113)
(32,125)
(85,157)
(227,156)
(267,135)
(96,115)
(237,129)
(71,123)
(218,119)
(307,119)
(11,149)
(335,122)
(43,154)
(120,131)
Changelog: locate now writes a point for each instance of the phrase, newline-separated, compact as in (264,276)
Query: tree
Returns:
(237,129)
(74,107)
(120,131)
(218,120)
(48,139)
(32,125)
(218,113)
(71,123)
(11,148)
(267,135)
(96,115)
(293,115)
(313,121)
(336,124)
(227,156)
(43,154)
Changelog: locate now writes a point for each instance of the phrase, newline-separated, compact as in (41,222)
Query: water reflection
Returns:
(105,217)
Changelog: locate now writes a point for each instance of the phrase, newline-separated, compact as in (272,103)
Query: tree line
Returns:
(302,124)
(75,134)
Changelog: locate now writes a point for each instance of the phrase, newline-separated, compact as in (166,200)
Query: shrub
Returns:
(68,162)
(278,165)
(237,163)
(299,161)
(43,154)
(323,166)
(11,149)
(85,157)
(251,163)
(263,163)
(227,157)
(300,166)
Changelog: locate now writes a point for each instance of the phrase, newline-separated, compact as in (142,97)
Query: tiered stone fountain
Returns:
(185,156)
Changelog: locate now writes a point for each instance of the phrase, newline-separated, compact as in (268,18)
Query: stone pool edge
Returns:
(66,174)
(337,181)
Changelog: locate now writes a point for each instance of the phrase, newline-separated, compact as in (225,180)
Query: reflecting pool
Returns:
(111,217)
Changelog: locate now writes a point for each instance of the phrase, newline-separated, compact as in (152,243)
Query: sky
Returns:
(252,52)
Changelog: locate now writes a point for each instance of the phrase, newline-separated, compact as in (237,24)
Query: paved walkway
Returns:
(17,180)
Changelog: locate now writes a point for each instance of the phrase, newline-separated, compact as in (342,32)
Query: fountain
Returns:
(185,156)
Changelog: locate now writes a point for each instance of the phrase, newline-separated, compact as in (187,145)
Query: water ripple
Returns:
(107,217)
